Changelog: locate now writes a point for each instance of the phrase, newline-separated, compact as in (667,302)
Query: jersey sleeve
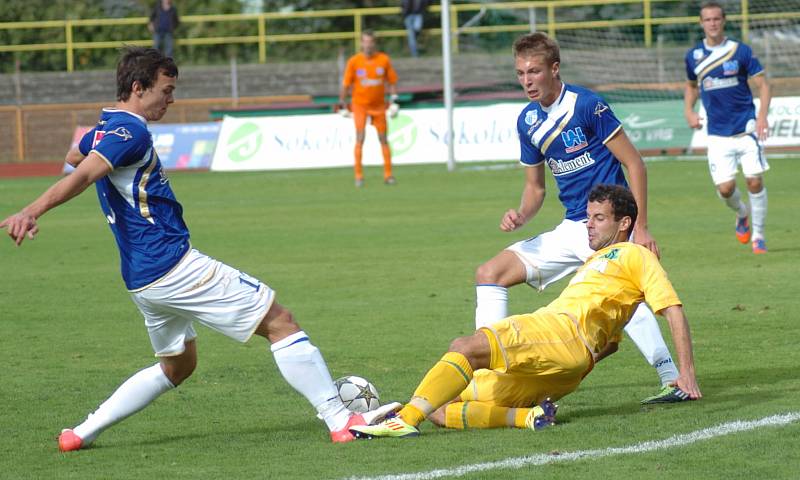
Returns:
(751,63)
(687,60)
(652,280)
(597,115)
(529,154)
(349,72)
(87,142)
(391,73)
(122,145)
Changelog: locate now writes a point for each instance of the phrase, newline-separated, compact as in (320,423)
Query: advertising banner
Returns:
(179,146)
(783,119)
(655,125)
(327,140)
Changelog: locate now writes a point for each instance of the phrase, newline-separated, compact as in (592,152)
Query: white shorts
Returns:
(203,289)
(725,154)
(553,255)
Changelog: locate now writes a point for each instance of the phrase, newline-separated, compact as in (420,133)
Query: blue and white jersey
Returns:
(145,217)
(721,73)
(570,136)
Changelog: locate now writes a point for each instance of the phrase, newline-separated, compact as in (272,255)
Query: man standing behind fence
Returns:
(413,13)
(367,73)
(163,22)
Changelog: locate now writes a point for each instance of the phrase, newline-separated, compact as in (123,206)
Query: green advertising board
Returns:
(655,126)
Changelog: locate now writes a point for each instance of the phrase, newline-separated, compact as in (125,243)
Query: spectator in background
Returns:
(413,12)
(163,22)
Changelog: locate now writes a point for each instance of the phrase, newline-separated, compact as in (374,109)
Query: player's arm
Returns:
(690,95)
(764,97)
(624,151)
(610,349)
(23,223)
(682,339)
(74,156)
(532,198)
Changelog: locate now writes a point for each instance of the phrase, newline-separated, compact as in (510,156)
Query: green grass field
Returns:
(382,279)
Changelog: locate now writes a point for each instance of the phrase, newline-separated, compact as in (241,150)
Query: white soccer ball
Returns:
(357,394)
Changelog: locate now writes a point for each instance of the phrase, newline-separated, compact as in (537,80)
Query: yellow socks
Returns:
(449,377)
(462,415)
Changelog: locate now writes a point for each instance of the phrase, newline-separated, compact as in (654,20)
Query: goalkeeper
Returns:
(542,356)
(366,74)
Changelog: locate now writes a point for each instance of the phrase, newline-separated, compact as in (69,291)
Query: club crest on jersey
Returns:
(379,70)
(698,53)
(600,108)
(731,67)
(361,72)
(574,139)
(531,116)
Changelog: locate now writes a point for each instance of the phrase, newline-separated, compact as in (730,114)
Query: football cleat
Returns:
(359,182)
(390,180)
(344,435)
(759,246)
(368,418)
(668,394)
(69,441)
(542,415)
(392,426)
(743,229)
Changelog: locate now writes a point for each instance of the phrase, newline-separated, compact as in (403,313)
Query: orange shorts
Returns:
(360,114)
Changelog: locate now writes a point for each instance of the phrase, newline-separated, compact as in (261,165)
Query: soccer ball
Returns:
(357,394)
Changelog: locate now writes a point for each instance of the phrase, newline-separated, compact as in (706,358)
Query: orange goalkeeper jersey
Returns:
(368,77)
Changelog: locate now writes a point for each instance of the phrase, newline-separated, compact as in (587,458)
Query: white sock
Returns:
(643,330)
(136,393)
(758,205)
(492,304)
(303,367)
(735,203)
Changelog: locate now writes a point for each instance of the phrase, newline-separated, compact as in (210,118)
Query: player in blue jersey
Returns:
(573,131)
(718,69)
(172,284)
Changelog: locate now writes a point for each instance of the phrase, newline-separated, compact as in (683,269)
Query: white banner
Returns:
(783,119)
(327,140)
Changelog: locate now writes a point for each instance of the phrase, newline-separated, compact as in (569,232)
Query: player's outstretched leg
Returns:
(136,393)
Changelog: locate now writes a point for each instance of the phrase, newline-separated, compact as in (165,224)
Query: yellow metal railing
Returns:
(263,22)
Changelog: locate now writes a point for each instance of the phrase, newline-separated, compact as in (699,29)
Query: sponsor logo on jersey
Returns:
(564,167)
(600,108)
(731,67)
(574,139)
(712,83)
(371,82)
(698,53)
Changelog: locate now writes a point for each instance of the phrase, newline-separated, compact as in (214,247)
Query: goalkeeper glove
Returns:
(393,106)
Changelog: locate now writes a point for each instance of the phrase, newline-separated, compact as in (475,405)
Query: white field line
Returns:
(543,458)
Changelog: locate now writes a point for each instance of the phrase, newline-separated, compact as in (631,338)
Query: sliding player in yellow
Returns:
(539,357)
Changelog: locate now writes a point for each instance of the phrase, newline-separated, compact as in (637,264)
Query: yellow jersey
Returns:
(606,290)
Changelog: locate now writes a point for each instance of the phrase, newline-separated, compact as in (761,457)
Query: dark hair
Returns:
(621,199)
(711,4)
(139,64)
(368,33)
(538,43)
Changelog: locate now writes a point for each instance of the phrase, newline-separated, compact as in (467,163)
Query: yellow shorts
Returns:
(534,356)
